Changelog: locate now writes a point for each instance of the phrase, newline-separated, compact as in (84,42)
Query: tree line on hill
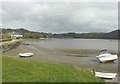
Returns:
(30,34)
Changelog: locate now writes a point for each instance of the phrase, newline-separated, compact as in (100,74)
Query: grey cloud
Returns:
(61,17)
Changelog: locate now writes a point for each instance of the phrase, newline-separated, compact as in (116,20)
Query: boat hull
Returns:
(107,58)
(25,54)
(105,75)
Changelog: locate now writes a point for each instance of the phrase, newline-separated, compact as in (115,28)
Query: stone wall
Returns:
(5,46)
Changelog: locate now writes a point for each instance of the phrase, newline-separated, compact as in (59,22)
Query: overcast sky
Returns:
(61,17)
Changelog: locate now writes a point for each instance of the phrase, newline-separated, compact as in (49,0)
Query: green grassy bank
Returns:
(25,70)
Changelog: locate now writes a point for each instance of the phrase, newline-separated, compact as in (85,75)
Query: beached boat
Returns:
(25,54)
(43,38)
(105,75)
(106,57)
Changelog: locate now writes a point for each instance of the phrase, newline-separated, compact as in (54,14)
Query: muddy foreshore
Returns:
(71,57)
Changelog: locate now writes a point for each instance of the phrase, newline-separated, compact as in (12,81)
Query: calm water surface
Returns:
(78,43)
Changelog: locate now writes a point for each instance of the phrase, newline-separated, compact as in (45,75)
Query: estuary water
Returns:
(78,43)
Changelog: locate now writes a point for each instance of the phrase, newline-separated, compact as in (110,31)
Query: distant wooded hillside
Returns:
(26,33)
(31,34)
(109,35)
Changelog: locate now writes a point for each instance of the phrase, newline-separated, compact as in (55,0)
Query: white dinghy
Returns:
(106,75)
(106,57)
(25,54)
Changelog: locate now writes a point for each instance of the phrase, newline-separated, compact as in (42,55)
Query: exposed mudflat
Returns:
(75,57)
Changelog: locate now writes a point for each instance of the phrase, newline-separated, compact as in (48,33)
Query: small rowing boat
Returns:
(25,54)
(105,75)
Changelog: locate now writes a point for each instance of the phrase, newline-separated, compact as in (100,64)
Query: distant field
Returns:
(24,70)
